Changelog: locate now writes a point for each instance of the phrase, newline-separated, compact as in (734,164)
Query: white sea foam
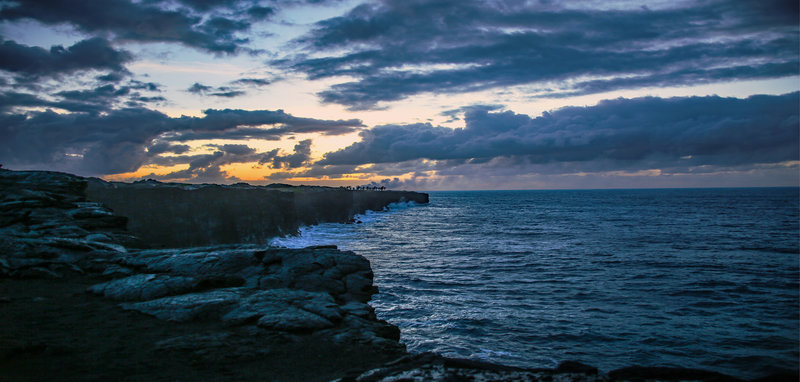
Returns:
(338,233)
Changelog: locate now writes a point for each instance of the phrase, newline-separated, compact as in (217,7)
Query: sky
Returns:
(409,94)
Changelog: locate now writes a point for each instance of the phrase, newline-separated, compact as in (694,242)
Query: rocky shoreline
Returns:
(83,299)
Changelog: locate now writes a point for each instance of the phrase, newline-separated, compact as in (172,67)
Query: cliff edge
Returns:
(168,215)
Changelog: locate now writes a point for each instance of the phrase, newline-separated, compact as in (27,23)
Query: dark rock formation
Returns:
(295,290)
(182,215)
(432,367)
(47,226)
(639,373)
(48,229)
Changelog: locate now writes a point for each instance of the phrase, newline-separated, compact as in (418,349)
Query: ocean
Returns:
(699,278)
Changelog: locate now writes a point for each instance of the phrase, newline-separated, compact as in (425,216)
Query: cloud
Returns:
(260,13)
(164,147)
(300,157)
(620,134)
(123,140)
(101,98)
(395,49)
(207,167)
(203,168)
(221,91)
(235,149)
(149,86)
(244,124)
(90,54)
(215,26)
(252,81)
(455,113)
(135,21)
(198,88)
(227,91)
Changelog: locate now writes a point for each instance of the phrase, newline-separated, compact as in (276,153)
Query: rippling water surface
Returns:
(704,278)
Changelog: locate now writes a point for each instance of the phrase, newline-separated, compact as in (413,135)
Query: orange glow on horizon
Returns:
(145,171)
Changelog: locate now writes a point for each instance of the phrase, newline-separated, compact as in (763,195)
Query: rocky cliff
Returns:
(243,301)
(182,215)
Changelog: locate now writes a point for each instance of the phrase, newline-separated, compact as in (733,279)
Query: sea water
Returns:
(700,278)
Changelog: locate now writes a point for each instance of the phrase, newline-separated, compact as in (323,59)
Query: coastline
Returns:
(218,311)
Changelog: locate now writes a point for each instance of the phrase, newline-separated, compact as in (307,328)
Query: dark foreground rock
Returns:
(79,304)
(432,367)
(52,330)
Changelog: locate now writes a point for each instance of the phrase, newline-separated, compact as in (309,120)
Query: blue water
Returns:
(704,278)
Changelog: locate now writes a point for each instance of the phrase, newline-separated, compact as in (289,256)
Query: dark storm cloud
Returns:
(119,140)
(131,21)
(92,100)
(619,134)
(110,77)
(204,5)
(267,8)
(241,124)
(260,13)
(235,149)
(212,25)
(32,61)
(207,167)
(300,157)
(455,113)
(92,143)
(203,168)
(88,99)
(163,147)
(12,99)
(396,49)
(100,93)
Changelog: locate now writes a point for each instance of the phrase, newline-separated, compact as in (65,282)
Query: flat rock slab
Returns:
(144,287)
(287,310)
(212,304)
(343,274)
(278,309)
